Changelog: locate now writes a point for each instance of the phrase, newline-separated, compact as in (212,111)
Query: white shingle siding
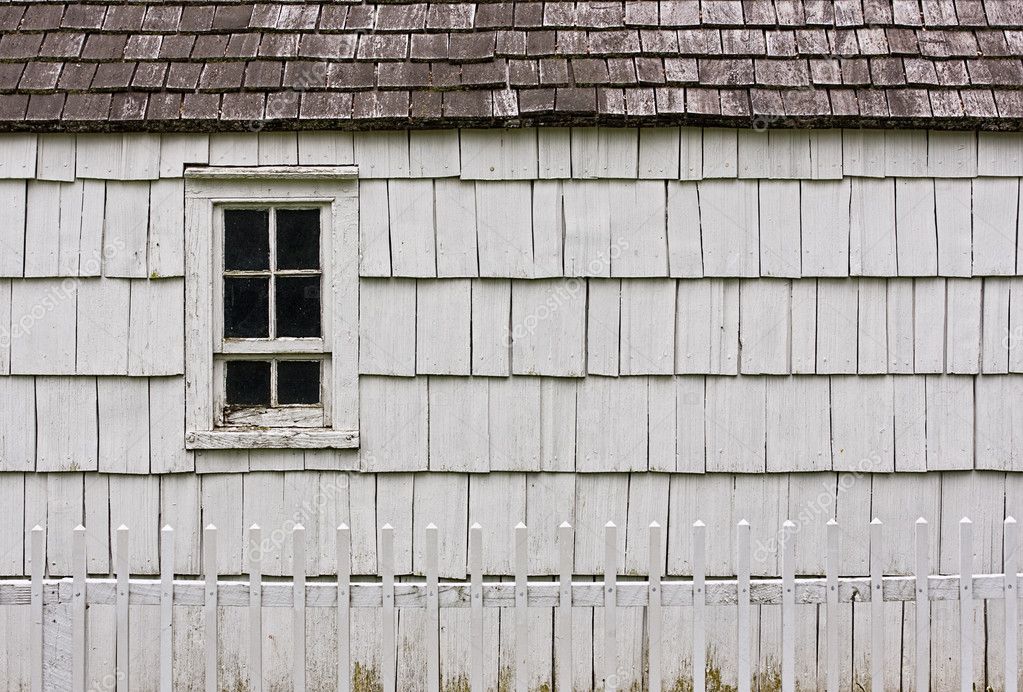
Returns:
(634,325)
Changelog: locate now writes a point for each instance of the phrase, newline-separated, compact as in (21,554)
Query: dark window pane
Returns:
(248,383)
(298,238)
(298,305)
(246,239)
(246,307)
(298,381)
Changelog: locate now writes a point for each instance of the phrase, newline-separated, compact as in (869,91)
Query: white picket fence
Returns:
(654,594)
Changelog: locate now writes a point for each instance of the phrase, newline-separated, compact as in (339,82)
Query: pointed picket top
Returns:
(122,527)
(387,527)
(475,525)
(1010,520)
(37,527)
(565,525)
(610,525)
(79,528)
(342,526)
(431,526)
(168,528)
(832,522)
(520,525)
(211,527)
(875,522)
(921,521)
(743,523)
(254,527)
(965,520)
(789,524)
(298,527)
(654,525)
(698,524)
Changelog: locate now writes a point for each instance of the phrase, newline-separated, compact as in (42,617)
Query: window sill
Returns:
(272,439)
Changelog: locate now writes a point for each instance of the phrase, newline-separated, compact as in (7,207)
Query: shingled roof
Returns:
(359,65)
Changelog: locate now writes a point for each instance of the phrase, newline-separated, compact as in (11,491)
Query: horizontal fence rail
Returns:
(698,593)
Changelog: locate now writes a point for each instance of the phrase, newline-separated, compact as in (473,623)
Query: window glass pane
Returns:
(246,307)
(298,238)
(298,305)
(248,383)
(246,239)
(298,381)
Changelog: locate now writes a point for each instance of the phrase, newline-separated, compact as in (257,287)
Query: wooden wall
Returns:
(590,324)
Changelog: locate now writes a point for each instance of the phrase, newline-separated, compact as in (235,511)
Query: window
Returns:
(271,288)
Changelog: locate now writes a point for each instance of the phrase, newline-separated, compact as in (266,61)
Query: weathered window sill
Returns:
(272,439)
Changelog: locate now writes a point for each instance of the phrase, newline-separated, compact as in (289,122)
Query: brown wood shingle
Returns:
(185,65)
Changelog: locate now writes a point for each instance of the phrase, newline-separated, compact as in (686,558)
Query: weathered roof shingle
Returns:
(182,64)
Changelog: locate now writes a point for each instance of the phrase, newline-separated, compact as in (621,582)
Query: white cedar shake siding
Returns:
(585,325)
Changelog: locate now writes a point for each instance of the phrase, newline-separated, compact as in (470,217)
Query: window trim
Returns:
(336,189)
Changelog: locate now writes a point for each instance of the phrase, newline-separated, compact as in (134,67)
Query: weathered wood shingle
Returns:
(119,66)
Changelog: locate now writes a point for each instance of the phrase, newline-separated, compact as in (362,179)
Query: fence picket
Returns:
(387,623)
(476,603)
(166,609)
(876,607)
(521,611)
(610,606)
(923,608)
(432,612)
(654,608)
(255,608)
(564,641)
(653,594)
(79,571)
(344,608)
(1010,569)
(965,605)
(121,569)
(742,573)
(209,547)
(36,564)
(831,568)
(788,608)
(699,607)
(298,607)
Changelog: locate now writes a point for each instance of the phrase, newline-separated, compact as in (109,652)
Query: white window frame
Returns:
(208,191)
